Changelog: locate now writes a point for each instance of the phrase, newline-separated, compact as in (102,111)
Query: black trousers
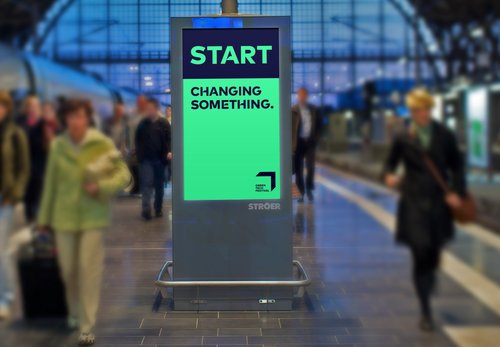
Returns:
(168,171)
(134,169)
(32,198)
(152,176)
(425,264)
(305,152)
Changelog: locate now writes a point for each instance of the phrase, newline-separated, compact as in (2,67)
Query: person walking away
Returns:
(133,123)
(306,131)
(152,143)
(116,128)
(424,218)
(31,121)
(84,172)
(168,116)
(14,174)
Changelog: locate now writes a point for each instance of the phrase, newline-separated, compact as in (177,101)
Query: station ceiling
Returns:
(19,17)
(446,13)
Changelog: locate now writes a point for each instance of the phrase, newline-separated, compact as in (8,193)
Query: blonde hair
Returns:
(6,101)
(419,98)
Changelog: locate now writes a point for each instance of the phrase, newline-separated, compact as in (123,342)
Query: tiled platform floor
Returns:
(361,294)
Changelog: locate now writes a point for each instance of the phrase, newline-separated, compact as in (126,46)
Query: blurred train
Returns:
(23,74)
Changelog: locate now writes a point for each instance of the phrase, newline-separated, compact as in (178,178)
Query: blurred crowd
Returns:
(65,171)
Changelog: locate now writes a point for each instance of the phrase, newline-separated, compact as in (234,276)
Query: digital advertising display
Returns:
(231,114)
(477,109)
(232,163)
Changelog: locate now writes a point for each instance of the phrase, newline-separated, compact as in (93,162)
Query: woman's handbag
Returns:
(466,212)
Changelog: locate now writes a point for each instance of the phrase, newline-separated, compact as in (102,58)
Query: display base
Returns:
(233,299)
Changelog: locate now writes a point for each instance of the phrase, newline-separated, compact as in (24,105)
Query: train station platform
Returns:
(361,294)
(369,163)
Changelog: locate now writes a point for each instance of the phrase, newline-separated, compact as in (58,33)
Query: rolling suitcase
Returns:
(42,289)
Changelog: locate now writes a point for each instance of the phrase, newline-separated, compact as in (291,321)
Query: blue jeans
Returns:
(6,219)
(152,177)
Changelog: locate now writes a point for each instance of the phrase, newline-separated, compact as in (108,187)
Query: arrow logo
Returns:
(271,174)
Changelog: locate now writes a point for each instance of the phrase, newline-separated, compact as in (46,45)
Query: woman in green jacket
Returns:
(14,174)
(84,172)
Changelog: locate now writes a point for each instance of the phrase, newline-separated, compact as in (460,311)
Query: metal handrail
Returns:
(304,280)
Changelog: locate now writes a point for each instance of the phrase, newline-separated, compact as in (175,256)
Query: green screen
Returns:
(226,144)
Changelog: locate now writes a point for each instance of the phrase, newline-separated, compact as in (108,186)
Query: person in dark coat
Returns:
(306,131)
(168,117)
(32,123)
(424,218)
(152,143)
(14,174)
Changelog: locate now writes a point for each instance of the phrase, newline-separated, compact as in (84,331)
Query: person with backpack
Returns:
(14,175)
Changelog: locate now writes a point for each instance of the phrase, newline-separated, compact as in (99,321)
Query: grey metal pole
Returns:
(229,6)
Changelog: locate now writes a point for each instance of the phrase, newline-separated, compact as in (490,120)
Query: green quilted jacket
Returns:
(65,205)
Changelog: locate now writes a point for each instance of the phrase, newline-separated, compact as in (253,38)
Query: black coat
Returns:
(38,149)
(423,218)
(315,126)
(153,140)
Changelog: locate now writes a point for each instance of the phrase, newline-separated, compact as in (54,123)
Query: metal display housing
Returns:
(225,240)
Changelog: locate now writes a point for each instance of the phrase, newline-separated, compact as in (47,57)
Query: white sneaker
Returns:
(4,312)
(86,339)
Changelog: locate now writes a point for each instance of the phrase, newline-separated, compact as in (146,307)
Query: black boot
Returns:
(426,324)
(146,215)
(310,196)
(424,284)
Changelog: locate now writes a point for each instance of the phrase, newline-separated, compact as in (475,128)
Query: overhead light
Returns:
(149,84)
(433,47)
(477,32)
(167,90)
(148,78)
